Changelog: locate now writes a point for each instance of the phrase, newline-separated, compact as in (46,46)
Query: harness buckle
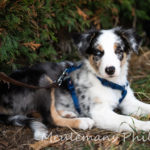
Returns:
(61,77)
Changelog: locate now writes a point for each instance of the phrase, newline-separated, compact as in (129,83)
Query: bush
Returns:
(39,30)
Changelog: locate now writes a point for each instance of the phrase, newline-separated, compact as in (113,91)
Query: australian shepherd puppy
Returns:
(105,56)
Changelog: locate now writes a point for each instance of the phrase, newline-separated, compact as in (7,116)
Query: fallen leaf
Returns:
(112,141)
(81,13)
(3,3)
(32,45)
(4,143)
(1,31)
(11,61)
(44,143)
(114,10)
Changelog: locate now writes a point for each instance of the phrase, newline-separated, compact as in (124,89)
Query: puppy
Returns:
(99,84)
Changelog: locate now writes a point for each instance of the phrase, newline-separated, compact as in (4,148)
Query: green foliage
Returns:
(31,31)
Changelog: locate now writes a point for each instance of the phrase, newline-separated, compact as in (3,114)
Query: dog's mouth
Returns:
(108,76)
(112,76)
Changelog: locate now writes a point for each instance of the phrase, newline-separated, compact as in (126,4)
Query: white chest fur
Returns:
(95,91)
(99,93)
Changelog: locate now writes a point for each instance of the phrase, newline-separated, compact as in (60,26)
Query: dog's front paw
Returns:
(40,130)
(86,123)
(39,135)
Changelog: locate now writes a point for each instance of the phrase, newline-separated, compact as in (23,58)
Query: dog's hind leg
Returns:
(79,123)
(39,129)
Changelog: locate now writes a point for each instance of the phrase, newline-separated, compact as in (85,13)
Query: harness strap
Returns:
(71,88)
(73,94)
(115,87)
(73,68)
(103,81)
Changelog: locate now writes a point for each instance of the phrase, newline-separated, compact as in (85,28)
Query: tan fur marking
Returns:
(4,110)
(99,47)
(115,46)
(49,79)
(97,100)
(60,112)
(36,115)
(124,59)
(94,64)
(58,120)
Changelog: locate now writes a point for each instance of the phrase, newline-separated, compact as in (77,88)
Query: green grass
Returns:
(141,88)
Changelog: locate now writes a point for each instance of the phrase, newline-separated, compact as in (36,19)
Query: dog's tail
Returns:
(39,129)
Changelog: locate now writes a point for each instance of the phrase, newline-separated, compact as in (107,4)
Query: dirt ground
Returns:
(16,138)
(20,138)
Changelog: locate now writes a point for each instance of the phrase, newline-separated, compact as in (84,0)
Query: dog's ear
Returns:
(84,41)
(130,38)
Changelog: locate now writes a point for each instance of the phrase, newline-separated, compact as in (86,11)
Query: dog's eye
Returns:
(97,53)
(119,52)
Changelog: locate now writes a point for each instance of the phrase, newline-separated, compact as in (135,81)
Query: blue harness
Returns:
(103,81)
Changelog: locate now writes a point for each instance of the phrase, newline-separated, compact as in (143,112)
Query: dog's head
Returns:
(107,50)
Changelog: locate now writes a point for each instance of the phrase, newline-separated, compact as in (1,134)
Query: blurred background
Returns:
(34,31)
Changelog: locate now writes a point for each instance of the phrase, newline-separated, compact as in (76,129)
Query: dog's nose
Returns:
(110,70)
